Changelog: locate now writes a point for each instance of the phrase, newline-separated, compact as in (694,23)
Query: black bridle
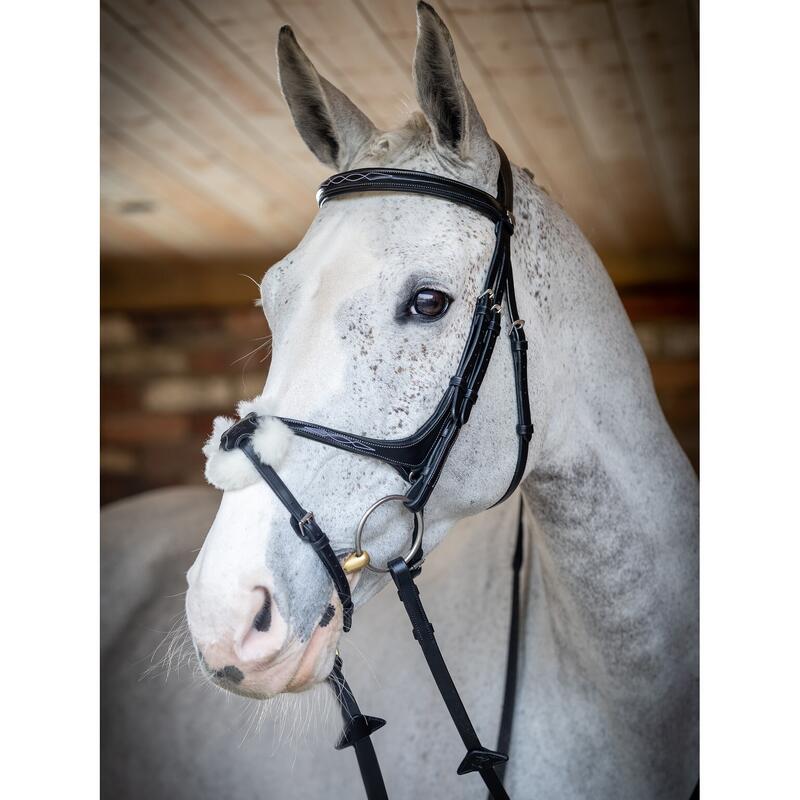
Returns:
(419,459)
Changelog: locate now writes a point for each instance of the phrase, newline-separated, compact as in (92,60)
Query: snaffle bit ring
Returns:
(360,558)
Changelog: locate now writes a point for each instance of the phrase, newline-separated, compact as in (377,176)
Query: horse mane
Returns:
(389,146)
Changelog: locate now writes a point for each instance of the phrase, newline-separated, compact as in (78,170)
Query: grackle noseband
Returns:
(419,459)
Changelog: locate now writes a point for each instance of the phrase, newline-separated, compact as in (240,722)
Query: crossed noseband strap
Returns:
(420,459)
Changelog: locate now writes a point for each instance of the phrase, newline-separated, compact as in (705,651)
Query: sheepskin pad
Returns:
(233,470)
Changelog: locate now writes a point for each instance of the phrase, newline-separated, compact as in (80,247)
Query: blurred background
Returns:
(204,181)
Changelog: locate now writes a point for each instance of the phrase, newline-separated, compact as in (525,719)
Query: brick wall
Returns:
(166,374)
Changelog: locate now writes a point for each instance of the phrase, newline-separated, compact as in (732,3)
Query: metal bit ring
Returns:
(419,529)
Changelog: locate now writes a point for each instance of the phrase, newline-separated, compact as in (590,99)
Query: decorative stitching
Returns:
(354,177)
(335,436)
(412,181)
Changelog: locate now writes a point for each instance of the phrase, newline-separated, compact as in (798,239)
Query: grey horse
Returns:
(608,694)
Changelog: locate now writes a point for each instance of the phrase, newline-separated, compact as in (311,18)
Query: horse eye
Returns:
(429,303)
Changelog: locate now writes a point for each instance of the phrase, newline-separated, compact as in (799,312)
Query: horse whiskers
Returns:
(347,646)
(247,356)
(173,650)
(294,717)
(252,713)
(266,343)
(251,279)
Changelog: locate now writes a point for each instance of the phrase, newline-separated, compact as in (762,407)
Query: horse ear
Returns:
(441,92)
(332,127)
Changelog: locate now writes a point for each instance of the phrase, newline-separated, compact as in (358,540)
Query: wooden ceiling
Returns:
(200,160)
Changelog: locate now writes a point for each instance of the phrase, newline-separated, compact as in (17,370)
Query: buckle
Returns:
(510,220)
(304,520)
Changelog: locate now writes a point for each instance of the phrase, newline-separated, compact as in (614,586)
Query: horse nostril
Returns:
(264,617)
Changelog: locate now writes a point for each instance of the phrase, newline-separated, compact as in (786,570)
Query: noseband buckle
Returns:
(306,519)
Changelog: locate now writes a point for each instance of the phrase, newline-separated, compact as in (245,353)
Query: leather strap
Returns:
(304,525)
(519,351)
(356,733)
(411,182)
(512,655)
(478,758)
(358,728)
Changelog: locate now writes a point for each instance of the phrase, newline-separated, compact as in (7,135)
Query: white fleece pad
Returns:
(233,470)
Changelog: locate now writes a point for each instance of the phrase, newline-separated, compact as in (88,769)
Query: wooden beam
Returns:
(177,282)
(656,41)
(185,43)
(131,158)
(164,143)
(154,217)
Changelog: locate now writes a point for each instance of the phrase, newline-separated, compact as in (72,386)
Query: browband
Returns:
(411,181)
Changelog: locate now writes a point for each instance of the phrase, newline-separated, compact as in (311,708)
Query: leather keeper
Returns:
(519,345)
(525,431)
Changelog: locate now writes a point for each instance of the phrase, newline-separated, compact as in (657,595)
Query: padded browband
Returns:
(410,181)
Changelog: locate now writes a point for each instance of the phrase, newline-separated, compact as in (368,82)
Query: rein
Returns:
(420,459)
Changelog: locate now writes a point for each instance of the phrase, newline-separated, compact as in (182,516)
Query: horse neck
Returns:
(611,498)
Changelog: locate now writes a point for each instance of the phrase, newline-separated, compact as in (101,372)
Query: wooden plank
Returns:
(659,43)
(396,20)
(532,98)
(680,302)
(179,283)
(162,224)
(251,99)
(144,124)
(605,116)
(166,83)
(133,236)
(221,227)
(629,271)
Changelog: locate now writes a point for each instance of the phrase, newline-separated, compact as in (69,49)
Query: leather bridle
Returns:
(419,459)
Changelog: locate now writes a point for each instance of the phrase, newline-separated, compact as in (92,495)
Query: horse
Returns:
(368,316)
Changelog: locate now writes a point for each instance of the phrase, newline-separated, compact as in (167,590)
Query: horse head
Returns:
(369,316)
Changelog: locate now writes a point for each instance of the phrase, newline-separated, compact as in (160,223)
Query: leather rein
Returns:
(419,459)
